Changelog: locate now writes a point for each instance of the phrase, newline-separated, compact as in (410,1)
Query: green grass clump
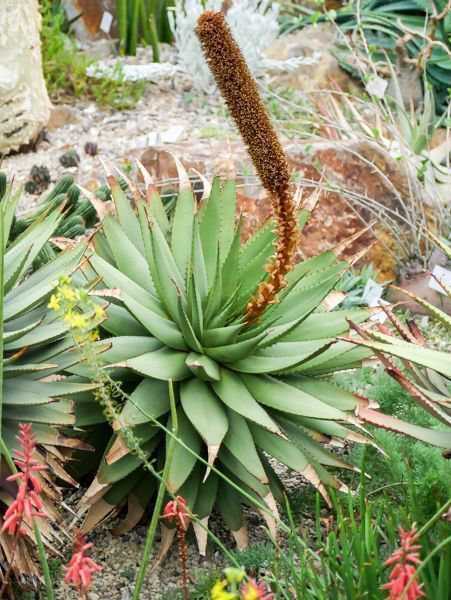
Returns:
(65,67)
(411,468)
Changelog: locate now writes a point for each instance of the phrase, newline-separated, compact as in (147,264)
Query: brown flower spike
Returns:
(240,92)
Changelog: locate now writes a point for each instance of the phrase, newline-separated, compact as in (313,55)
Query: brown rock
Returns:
(418,285)
(88,25)
(60,116)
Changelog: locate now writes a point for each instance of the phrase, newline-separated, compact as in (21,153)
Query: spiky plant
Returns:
(35,349)
(425,372)
(245,337)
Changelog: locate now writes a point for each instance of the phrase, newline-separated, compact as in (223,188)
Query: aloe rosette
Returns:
(36,350)
(245,392)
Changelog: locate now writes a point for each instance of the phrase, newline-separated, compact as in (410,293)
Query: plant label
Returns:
(106,22)
(372,293)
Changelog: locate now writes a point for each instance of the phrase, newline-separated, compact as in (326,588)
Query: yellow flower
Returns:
(99,313)
(69,293)
(94,336)
(218,591)
(65,280)
(75,320)
(54,303)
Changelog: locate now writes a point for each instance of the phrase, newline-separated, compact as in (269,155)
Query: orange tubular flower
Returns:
(28,503)
(402,582)
(240,92)
(81,568)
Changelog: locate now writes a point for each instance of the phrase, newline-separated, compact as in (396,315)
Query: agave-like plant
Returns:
(425,372)
(243,334)
(35,350)
(179,292)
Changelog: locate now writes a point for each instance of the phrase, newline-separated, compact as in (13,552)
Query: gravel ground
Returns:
(190,125)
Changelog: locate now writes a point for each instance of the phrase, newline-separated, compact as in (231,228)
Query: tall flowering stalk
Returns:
(27,504)
(176,512)
(403,584)
(81,567)
(240,92)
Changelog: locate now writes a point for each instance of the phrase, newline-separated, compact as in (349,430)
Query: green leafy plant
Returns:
(345,556)
(143,20)
(244,348)
(419,32)
(427,372)
(35,350)
(65,67)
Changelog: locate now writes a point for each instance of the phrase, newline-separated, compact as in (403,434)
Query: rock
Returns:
(312,41)
(363,168)
(24,102)
(88,26)
(419,285)
(60,116)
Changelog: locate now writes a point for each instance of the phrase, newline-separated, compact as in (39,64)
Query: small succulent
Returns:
(71,158)
(39,180)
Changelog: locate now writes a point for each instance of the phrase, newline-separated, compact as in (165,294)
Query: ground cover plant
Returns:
(65,66)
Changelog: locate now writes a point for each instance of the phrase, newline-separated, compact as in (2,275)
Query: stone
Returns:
(24,102)
(418,285)
(60,116)
(312,41)
(88,25)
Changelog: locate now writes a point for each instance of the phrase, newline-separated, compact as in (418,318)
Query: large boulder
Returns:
(24,102)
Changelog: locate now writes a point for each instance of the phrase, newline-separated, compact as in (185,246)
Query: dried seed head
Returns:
(240,92)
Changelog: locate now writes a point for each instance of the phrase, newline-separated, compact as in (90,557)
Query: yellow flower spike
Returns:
(54,303)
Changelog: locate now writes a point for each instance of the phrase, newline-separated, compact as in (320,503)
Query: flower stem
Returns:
(44,563)
(159,501)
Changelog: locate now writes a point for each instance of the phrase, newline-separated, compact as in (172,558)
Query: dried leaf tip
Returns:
(240,92)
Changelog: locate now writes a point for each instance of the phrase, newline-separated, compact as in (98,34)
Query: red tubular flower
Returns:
(28,503)
(404,560)
(175,511)
(81,568)
(254,590)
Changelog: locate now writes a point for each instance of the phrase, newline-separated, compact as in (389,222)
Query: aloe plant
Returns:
(426,372)
(244,335)
(244,391)
(35,351)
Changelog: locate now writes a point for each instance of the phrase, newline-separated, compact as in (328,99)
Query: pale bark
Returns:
(24,102)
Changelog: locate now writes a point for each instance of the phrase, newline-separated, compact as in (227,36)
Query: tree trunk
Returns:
(24,102)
